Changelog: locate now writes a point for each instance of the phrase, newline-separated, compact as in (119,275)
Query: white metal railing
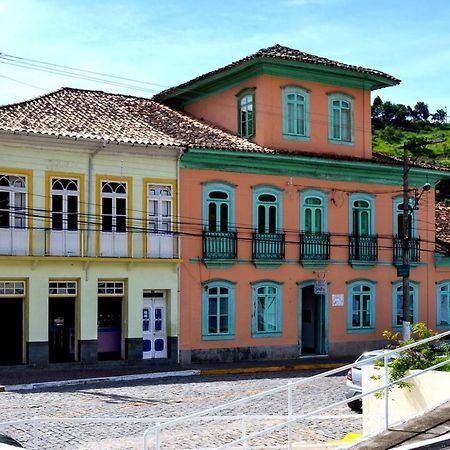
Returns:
(245,438)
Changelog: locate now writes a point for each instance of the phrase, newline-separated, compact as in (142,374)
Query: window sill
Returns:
(267,263)
(356,264)
(219,337)
(267,335)
(218,263)
(361,330)
(295,137)
(314,264)
(338,142)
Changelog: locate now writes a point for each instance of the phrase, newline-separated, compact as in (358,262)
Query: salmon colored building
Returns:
(291,243)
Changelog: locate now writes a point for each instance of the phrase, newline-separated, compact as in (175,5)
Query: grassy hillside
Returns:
(390,139)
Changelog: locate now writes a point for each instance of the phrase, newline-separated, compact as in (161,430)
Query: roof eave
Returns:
(232,76)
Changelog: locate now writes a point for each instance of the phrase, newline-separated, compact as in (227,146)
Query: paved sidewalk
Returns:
(73,372)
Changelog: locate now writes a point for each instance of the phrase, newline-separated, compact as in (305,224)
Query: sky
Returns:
(167,42)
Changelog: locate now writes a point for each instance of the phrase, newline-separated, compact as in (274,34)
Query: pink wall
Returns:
(194,273)
(221,109)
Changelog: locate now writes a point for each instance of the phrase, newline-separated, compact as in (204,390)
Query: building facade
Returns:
(294,246)
(88,250)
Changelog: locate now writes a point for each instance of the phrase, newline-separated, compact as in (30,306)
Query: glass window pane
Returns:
(72,212)
(308,220)
(121,224)
(272,219)
(261,219)
(224,217)
(212,217)
(219,195)
(223,324)
(57,203)
(121,206)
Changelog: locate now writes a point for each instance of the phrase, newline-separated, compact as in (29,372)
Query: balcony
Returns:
(64,242)
(314,247)
(268,246)
(414,250)
(363,248)
(219,245)
(162,245)
(14,241)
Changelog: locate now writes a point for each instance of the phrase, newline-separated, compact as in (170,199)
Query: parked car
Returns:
(8,443)
(353,385)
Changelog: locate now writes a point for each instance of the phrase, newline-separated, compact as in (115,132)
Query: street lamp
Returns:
(407,235)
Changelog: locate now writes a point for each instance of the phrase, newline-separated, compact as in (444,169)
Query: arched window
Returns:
(13,208)
(65,203)
(295,112)
(267,203)
(246,113)
(362,221)
(266,308)
(397,300)
(398,218)
(341,126)
(443,304)
(218,207)
(114,206)
(218,309)
(361,305)
(313,218)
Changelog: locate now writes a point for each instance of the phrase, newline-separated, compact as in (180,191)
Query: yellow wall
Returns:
(45,157)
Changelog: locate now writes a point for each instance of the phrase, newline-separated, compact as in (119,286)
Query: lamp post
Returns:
(418,147)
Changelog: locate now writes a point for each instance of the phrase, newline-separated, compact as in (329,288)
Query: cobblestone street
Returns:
(148,402)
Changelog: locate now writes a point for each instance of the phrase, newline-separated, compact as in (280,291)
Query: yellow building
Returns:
(88,230)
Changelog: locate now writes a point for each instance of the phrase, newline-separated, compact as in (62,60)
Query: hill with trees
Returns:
(393,124)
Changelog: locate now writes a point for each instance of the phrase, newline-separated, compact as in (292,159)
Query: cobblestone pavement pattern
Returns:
(169,398)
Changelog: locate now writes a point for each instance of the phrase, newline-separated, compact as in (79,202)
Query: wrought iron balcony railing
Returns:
(314,246)
(363,248)
(414,250)
(219,245)
(268,246)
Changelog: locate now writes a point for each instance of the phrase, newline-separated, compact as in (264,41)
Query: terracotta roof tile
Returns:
(89,114)
(281,52)
(442,215)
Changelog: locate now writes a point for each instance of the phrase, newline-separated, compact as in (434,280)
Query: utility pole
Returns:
(406,323)
(418,148)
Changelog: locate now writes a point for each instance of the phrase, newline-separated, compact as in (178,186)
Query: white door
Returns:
(154,336)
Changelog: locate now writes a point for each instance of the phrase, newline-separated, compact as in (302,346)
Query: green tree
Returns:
(440,116)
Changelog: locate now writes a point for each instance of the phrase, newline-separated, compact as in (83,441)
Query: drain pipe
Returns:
(90,206)
(180,154)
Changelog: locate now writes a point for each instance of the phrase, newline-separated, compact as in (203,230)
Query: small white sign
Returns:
(320,287)
(337,299)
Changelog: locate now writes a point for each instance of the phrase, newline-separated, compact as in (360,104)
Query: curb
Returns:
(288,368)
(85,381)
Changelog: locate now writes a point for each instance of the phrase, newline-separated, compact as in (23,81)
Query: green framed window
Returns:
(266,308)
(295,112)
(218,309)
(267,209)
(341,122)
(362,220)
(361,306)
(246,113)
(218,206)
(443,304)
(398,217)
(314,211)
(397,300)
